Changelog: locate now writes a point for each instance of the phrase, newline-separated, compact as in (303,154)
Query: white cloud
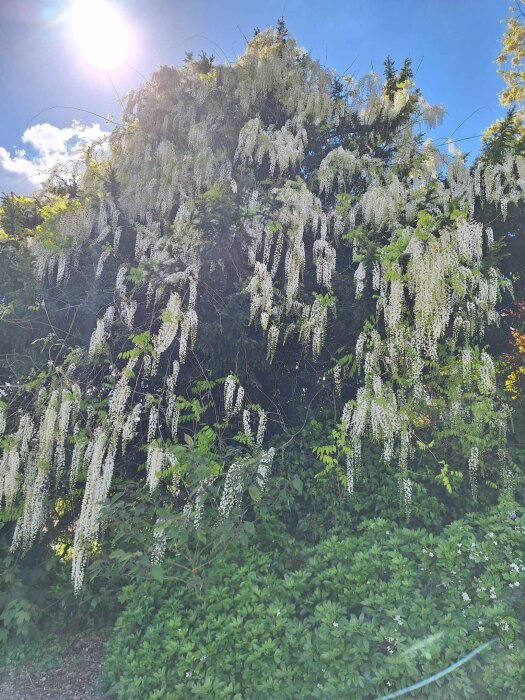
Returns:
(21,172)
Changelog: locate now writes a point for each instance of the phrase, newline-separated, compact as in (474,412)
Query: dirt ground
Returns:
(76,679)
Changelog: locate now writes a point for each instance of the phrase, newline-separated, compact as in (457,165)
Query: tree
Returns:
(512,57)
(502,141)
(507,134)
(263,243)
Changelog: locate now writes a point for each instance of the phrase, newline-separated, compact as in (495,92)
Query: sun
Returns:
(100,33)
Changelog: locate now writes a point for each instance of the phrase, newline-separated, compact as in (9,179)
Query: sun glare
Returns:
(100,33)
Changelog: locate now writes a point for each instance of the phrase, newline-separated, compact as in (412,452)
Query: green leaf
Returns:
(255,493)
(157,573)
(297,484)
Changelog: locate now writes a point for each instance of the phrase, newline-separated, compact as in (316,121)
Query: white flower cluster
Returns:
(260,289)
(104,255)
(233,488)
(99,475)
(283,147)
(160,543)
(325,261)
(69,406)
(487,374)
(264,467)
(273,338)
(314,320)
(337,167)
(350,473)
(360,279)
(154,465)
(9,475)
(381,205)
(102,330)
(129,427)
(71,229)
(246,424)
(3,418)
(233,396)
(35,489)
(27,463)
(237,479)
(473,466)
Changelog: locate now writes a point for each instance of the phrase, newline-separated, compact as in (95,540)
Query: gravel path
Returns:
(77,679)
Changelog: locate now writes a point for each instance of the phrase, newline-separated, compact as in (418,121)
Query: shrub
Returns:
(354,616)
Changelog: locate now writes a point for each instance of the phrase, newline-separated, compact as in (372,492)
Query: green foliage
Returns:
(37,605)
(355,616)
(506,135)
(18,215)
(142,346)
(245,213)
(332,456)
(316,583)
(448,478)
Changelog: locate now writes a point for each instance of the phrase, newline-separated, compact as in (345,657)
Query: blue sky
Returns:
(452,43)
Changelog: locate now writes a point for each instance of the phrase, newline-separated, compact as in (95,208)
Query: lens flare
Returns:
(100,33)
